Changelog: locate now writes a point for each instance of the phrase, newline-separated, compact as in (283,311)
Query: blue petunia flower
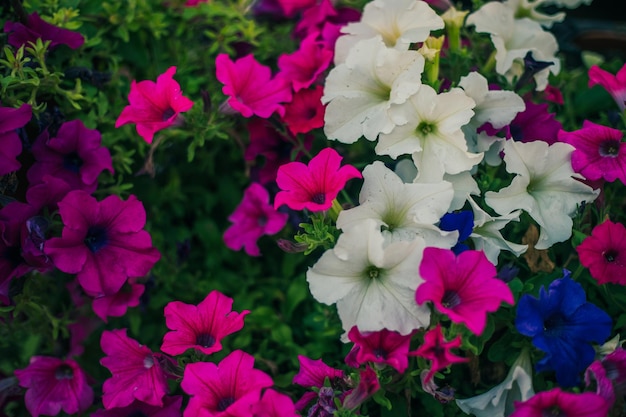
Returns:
(563,324)
(463,221)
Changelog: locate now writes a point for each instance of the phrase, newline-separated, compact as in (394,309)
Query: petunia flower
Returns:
(154,106)
(306,65)
(116,305)
(546,187)
(557,402)
(305,112)
(439,351)
(609,374)
(227,389)
(313,186)
(54,384)
(103,242)
(274,404)
(599,152)
(368,386)
(463,287)
(47,193)
(604,253)
(74,154)
(615,85)
(171,408)
(37,28)
(313,374)
(136,371)
(534,123)
(253,218)
(292,7)
(250,86)
(200,327)
(461,221)
(381,347)
(562,323)
(12,119)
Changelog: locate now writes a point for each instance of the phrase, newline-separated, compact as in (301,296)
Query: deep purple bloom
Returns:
(47,193)
(116,305)
(562,323)
(74,155)
(10,143)
(535,123)
(37,28)
(102,241)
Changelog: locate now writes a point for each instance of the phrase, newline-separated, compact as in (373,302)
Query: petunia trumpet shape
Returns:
(381,347)
(615,85)
(557,402)
(438,351)
(604,253)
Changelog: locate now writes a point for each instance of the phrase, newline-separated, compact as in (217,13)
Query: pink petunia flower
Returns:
(228,389)
(463,287)
(37,28)
(604,253)
(313,374)
(116,305)
(53,385)
(200,327)
(74,155)
(253,218)
(368,385)
(313,187)
(274,404)
(154,106)
(556,402)
(171,408)
(305,112)
(600,152)
(438,351)
(306,65)
(383,347)
(325,21)
(102,242)
(136,371)
(615,85)
(609,373)
(535,123)
(250,86)
(12,119)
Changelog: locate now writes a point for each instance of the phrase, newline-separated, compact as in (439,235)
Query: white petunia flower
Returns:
(500,400)
(429,129)
(360,91)
(373,287)
(399,23)
(513,39)
(546,188)
(402,211)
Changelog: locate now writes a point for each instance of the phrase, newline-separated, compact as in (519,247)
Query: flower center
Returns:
(610,255)
(261,220)
(96,238)
(64,372)
(553,325)
(148,362)
(450,299)
(137,413)
(224,403)
(609,148)
(380,353)
(72,162)
(553,411)
(169,112)
(205,340)
(372,272)
(425,128)
(319,198)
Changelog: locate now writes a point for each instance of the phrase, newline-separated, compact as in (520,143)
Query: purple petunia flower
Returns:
(37,28)
(10,143)
(102,242)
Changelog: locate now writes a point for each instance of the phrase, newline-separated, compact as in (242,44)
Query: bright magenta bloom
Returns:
(604,253)
(54,384)
(307,64)
(154,106)
(368,385)
(274,404)
(102,242)
(384,346)
(171,408)
(37,28)
(463,287)
(615,85)
(315,186)
(116,305)
(250,86)
(306,111)
(560,403)
(136,371)
(253,218)
(228,389)
(312,374)
(438,351)
(12,119)
(291,7)
(609,375)
(200,327)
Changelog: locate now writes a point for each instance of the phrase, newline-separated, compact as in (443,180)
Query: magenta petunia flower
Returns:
(102,242)
(12,119)
(253,218)
(53,385)
(384,346)
(228,389)
(154,106)
(315,186)
(74,155)
(116,305)
(171,408)
(47,193)
(306,65)
(200,327)
(274,404)
(535,123)
(325,21)
(291,7)
(609,375)
(250,86)
(312,374)
(136,371)
(37,28)
(615,85)
(368,385)
(599,153)
(305,112)
(556,402)
(463,287)
(438,351)
(604,253)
